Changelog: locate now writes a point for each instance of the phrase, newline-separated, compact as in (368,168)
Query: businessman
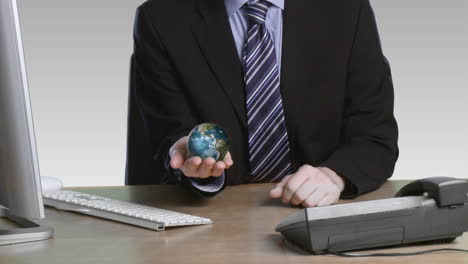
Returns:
(301,86)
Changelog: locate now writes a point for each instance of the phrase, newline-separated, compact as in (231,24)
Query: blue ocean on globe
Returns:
(208,140)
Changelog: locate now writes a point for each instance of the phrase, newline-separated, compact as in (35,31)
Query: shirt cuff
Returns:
(211,184)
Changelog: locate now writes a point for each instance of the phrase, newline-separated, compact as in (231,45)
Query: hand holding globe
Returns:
(202,154)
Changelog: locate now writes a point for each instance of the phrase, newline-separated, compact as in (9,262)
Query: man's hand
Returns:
(309,187)
(196,167)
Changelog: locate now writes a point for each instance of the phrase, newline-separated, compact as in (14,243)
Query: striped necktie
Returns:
(269,151)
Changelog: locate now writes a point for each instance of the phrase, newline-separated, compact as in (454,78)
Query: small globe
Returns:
(208,140)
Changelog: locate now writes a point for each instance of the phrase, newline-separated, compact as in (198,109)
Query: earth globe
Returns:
(208,140)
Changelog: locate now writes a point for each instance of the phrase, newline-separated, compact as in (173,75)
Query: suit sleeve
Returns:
(164,106)
(369,150)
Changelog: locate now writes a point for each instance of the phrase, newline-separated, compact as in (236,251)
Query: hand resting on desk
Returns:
(195,167)
(309,187)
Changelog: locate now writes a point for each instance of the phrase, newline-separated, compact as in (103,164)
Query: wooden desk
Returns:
(244,218)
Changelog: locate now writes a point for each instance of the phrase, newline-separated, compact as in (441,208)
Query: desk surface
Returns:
(244,218)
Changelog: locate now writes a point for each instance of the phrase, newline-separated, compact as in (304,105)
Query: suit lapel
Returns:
(213,33)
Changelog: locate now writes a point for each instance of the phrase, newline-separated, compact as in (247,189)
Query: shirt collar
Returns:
(233,5)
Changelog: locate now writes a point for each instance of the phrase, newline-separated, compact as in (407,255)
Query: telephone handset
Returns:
(445,191)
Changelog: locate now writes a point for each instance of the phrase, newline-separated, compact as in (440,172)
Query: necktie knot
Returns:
(257,11)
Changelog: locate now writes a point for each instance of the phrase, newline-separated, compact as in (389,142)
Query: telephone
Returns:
(424,210)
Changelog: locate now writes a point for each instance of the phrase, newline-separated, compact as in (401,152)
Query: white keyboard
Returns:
(130,213)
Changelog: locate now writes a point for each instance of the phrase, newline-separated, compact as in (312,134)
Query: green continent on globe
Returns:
(208,140)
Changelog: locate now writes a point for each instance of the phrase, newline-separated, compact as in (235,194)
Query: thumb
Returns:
(277,192)
(177,159)
(177,153)
(181,145)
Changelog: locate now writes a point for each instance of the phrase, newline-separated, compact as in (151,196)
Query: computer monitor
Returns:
(20,186)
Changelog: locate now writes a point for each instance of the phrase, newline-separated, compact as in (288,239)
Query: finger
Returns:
(204,171)
(329,199)
(293,185)
(191,165)
(277,192)
(315,197)
(306,189)
(284,181)
(228,160)
(218,168)
(177,159)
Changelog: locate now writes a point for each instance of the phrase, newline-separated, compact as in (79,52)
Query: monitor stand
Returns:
(27,231)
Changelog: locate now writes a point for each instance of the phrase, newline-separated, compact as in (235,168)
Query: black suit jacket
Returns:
(336,85)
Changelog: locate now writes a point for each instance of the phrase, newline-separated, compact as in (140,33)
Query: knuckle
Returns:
(202,164)
(300,197)
(295,201)
(311,169)
(202,168)
(320,178)
(290,187)
(188,163)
